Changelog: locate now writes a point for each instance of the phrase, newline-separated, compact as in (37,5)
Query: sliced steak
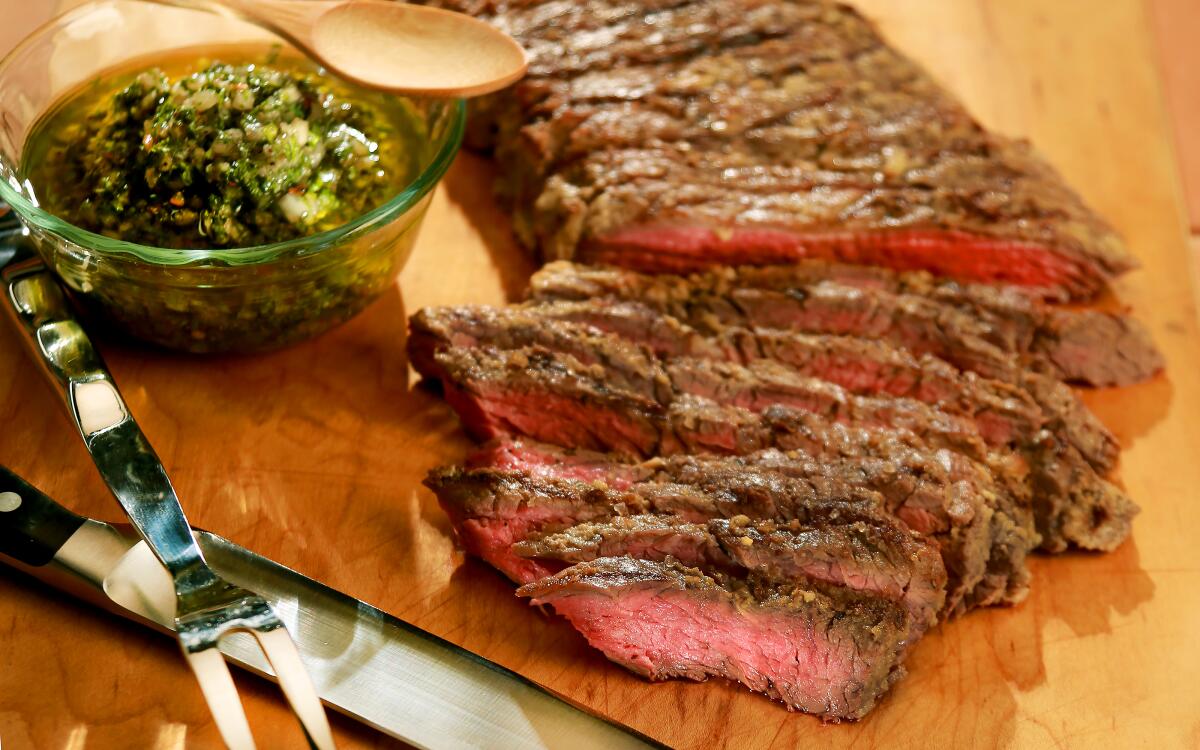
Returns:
(1004,414)
(479,370)
(982,324)
(883,559)
(983,532)
(823,650)
(919,324)
(626,364)
(683,219)
(554,398)
(861,365)
(1087,346)
(1070,340)
(494,509)
(807,418)
(765,383)
(547,398)
(762,388)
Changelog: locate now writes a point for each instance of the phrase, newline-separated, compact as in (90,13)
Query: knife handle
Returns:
(32,526)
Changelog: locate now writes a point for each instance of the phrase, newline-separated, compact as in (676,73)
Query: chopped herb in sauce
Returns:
(231,155)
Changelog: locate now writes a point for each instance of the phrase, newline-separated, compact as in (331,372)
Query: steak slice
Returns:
(883,559)
(626,364)
(983,533)
(763,392)
(554,398)
(1088,346)
(861,365)
(824,650)
(725,383)
(765,383)
(1004,414)
(682,219)
(919,324)
(494,509)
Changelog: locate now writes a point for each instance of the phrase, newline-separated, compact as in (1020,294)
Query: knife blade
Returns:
(393,676)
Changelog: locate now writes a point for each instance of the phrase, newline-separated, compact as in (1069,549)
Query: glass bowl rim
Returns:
(102,245)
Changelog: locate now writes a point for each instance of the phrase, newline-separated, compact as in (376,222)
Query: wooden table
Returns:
(314,456)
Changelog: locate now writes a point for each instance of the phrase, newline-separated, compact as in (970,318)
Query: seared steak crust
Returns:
(494,509)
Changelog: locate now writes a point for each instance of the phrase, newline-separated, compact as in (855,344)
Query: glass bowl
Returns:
(203,300)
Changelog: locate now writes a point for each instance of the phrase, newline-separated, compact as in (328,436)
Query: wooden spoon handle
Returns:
(291,19)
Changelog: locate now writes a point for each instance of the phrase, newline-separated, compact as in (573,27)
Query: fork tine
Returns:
(221,695)
(297,685)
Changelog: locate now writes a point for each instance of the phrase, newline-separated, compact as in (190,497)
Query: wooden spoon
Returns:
(393,46)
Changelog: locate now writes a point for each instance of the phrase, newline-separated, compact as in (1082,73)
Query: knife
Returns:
(388,674)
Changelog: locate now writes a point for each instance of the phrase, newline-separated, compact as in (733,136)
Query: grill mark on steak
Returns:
(593,130)
(554,398)
(983,531)
(981,328)
(601,36)
(826,651)
(653,116)
(885,560)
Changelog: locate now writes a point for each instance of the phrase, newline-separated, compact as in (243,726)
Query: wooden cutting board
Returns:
(314,456)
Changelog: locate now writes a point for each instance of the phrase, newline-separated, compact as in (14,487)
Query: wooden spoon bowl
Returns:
(391,46)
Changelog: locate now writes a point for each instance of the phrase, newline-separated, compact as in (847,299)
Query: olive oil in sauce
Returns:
(222,148)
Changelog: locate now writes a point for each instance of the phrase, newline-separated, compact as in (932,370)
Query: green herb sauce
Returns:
(250,149)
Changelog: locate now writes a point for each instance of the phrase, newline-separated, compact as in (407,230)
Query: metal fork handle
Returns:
(120,450)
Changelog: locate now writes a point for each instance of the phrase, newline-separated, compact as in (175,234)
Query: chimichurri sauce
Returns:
(246,149)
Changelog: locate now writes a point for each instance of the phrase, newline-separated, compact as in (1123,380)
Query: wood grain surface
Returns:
(1176,24)
(314,455)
